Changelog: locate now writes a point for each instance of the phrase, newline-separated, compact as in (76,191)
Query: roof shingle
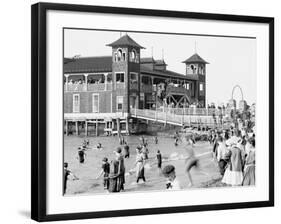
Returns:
(195,59)
(125,40)
(88,64)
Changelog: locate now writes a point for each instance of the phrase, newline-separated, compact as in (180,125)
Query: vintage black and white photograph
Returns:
(157,111)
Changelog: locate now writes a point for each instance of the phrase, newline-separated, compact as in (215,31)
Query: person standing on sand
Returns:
(66,174)
(169,172)
(250,165)
(140,162)
(222,154)
(234,173)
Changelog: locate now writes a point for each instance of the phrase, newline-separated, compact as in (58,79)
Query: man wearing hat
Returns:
(169,172)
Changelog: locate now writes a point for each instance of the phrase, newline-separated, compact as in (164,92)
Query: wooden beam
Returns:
(66,128)
(86,128)
(77,128)
(97,132)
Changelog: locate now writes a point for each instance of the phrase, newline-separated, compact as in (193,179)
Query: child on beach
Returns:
(169,172)
(105,169)
(67,173)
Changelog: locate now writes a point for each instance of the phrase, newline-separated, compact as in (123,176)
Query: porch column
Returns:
(66,82)
(86,78)
(86,81)
(105,81)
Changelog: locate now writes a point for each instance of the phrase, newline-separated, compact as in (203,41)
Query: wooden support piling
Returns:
(127,126)
(86,128)
(66,128)
(76,128)
(97,131)
(118,126)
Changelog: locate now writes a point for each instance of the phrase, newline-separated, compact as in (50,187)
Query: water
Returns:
(87,172)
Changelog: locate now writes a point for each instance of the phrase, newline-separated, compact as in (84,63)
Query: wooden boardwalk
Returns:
(179,118)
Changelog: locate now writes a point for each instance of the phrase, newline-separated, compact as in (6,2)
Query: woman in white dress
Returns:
(234,172)
(140,162)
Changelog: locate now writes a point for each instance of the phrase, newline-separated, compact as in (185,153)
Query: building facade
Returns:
(125,80)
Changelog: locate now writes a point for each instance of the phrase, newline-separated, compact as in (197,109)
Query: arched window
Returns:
(133,56)
(119,55)
(202,69)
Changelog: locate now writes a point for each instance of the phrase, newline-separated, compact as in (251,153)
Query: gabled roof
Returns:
(88,64)
(195,59)
(125,40)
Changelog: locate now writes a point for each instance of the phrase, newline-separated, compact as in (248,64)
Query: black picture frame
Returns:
(39,108)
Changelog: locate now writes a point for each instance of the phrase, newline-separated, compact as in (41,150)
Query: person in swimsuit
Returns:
(191,160)
(126,151)
(105,170)
(81,155)
(159,161)
(155,140)
(99,146)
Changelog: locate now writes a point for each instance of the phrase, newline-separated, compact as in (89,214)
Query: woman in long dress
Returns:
(250,165)
(234,173)
(140,162)
(117,176)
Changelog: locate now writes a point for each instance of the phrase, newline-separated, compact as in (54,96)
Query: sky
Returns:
(232,60)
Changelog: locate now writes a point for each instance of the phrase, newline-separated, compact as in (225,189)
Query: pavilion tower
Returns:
(125,74)
(196,69)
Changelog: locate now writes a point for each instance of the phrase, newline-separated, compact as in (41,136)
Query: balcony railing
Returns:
(98,87)
(177,89)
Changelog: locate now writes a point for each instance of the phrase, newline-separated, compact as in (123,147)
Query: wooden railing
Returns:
(97,87)
(179,118)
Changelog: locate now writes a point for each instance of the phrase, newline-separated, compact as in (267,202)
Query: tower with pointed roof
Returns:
(196,69)
(125,74)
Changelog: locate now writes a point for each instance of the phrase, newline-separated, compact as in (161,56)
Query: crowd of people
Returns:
(113,172)
(233,152)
